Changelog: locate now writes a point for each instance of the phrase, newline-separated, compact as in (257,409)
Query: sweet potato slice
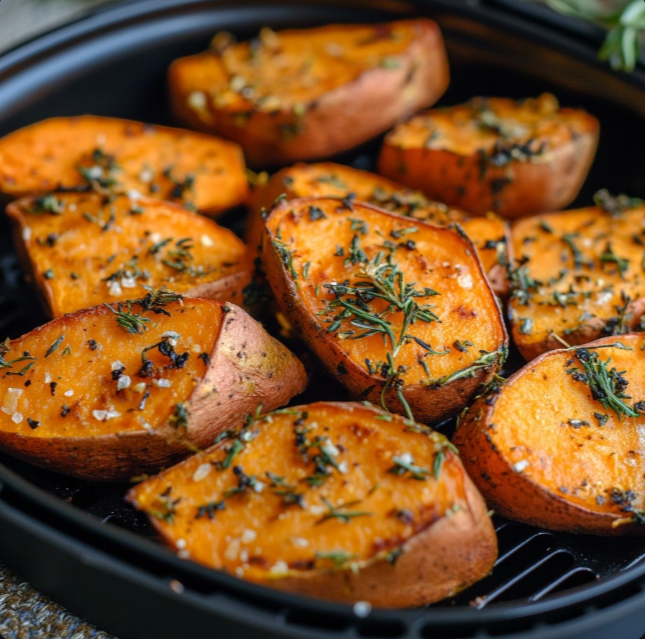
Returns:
(120,155)
(111,393)
(310,93)
(488,234)
(579,275)
(399,310)
(559,445)
(495,154)
(339,501)
(82,249)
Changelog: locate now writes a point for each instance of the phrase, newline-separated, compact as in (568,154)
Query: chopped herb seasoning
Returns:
(607,385)
(49,274)
(33,424)
(131,322)
(341,513)
(55,345)
(316,213)
(404,464)
(208,510)
(179,418)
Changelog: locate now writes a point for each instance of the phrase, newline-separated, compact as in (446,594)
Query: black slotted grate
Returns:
(532,564)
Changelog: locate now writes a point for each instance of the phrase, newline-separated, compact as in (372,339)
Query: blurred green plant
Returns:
(624,20)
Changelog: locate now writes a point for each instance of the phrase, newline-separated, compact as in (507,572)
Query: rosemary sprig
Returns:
(621,47)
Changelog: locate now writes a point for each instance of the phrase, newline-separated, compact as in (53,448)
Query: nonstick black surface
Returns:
(129,81)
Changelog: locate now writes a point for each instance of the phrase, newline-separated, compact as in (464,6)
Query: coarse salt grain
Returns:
(114,288)
(203,471)
(69,393)
(162,383)
(26,233)
(300,542)
(16,418)
(279,568)
(139,388)
(207,241)
(10,402)
(181,544)
(520,466)
(465,281)
(124,382)
(249,536)
(104,415)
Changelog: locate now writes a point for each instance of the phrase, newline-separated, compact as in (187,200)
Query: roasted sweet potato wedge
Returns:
(83,249)
(495,154)
(310,93)
(559,445)
(109,393)
(489,234)
(109,154)
(398,309)
(339,501)
(579,275)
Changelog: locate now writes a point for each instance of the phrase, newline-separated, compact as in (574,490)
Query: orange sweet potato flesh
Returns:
(310,93)
(408,542)
(488,234)
(424,330)
(579,275)
(77,396)
(543,451)
(83,249)
(121,155)
(495,154)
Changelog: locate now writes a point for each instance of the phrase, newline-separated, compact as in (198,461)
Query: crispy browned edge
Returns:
(247,368)
(429,405)
(225,289)
(515,495)
(339,120)
(439,561)
(537,187)
(263,197)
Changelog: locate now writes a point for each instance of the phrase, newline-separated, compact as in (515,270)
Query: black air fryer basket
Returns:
(83,546)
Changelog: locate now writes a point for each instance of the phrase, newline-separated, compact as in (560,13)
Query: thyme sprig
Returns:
(607,385)
(5,347)
(380,279)
(131,322)
(341,513)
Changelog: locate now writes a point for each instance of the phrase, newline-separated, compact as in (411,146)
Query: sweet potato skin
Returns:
(428,403)
(580,277)
(353,102)
(66,254)
(547,180)
(443,557)
(513,492)
(246,367)
(490,235)
(161,162)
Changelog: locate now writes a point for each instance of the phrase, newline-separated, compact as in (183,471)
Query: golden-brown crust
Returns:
(439,562)
(247,367)
(428,404)
(455,547)
(548,181)
(340,119)
(154,156)
(64,295)
(513,493)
